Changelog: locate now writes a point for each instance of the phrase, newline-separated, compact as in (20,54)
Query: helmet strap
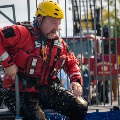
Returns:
(40,21)
(37,22)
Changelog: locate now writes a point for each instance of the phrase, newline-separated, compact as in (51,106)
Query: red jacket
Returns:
(20,46)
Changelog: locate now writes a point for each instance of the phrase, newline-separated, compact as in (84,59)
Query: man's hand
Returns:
(11,71)
(76,88)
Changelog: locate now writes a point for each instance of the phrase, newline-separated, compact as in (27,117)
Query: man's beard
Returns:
(51,32)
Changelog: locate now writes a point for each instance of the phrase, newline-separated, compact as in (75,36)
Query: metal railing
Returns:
(101,17)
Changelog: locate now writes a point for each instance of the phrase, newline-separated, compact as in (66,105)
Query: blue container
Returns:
(55,116)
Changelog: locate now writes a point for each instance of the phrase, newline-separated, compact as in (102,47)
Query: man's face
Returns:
(50,27)
(80,58)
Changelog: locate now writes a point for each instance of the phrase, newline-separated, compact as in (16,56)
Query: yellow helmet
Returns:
(50,8)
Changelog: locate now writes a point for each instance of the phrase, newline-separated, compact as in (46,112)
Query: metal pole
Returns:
(17,98)
(28,8)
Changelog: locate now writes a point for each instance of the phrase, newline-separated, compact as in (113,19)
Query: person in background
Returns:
(115,89)
(87,88)
(64,79)
(36,53)
(102,85)
(103,98)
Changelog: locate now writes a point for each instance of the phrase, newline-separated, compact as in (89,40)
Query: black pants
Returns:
(55,97)
(103,97)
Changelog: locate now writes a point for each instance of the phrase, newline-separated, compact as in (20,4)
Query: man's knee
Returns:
(39,114)
(79,109)
(82,103)
(34,114)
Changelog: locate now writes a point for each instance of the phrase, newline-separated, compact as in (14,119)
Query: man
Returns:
(87,88)
(36,54)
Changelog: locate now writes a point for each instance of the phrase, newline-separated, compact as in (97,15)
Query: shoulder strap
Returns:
(29,26)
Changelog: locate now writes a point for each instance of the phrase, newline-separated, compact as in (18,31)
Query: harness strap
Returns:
(53,70)
(48,71)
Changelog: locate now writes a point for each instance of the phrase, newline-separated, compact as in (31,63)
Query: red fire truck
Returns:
(102,55)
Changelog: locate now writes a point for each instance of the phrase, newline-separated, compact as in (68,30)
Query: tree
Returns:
(111,16)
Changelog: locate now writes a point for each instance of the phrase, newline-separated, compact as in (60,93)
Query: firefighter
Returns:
(87,86)
(36,53)
(64,79)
